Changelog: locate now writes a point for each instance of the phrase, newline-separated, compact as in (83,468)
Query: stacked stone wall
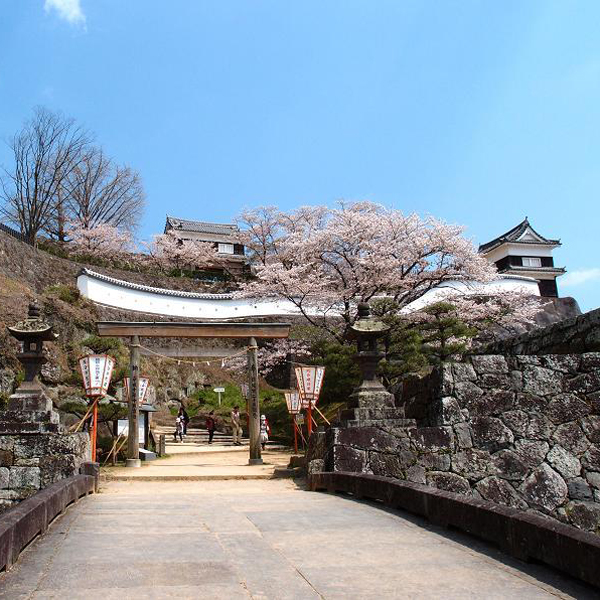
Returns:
(570,335)
(522,431)
(29,463)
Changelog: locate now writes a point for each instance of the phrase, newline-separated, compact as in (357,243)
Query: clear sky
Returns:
(478,112)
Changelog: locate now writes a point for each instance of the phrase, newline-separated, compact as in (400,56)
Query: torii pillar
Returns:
(251,331)
(254,405)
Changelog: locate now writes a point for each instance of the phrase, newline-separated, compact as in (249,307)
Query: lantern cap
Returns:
(33,325)
(366,325)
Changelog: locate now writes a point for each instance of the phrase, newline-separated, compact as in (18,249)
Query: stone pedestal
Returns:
(34,451)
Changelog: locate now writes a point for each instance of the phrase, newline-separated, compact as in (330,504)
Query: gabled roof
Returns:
(201,226)
(523,233)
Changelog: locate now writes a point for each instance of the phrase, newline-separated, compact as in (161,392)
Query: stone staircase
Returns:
(195,437)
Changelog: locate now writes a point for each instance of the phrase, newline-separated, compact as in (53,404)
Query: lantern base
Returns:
(255,461)
(133,463)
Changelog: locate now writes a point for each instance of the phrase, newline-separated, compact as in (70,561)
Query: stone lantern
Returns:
(35,450)
(32,332)
(367,330)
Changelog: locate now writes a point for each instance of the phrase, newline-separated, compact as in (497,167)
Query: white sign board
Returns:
(219,390)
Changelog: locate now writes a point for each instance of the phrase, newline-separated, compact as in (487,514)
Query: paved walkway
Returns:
(260,539)
(203,464)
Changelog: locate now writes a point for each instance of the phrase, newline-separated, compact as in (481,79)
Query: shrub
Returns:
(66,293)
(102,345)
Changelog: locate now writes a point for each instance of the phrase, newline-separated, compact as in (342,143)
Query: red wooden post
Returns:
(94,429)
(295,434)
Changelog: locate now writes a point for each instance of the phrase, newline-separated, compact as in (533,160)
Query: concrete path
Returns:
(205,465)
(260,539)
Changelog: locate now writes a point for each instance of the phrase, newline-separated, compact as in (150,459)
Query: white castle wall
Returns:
(119,294)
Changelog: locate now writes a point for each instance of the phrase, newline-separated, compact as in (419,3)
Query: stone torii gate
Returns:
(135,330)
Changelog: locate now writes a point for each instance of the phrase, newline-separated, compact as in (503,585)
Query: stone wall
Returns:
(568,336)
(34,449)
(522,431)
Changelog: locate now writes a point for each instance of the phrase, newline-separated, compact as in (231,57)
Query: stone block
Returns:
(540,381)
(463,372)
(500,491)
(391,465)
(571,437)
(487,363)
(467,393)
(432,439)
(472,464)
(367,438)
(590,361)
(451,482)
(4,477)
(591,428)
(491,402)
(416,474)
(348,459)
(567,407)
(24,477)
(516,421)
(584,515)
(585,383)
(462,432)
(564,462)
(530,403)
(316,465)
(7,442)
(531,452)
(565,363)
(591,458)
(544,489)
(509,465)
(490,433)
(579,489)
(538,427)
(433,461)
(446,412)
(593,478)
(6,458)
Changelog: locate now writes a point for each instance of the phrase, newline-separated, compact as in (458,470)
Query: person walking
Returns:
(236,426)
(178,429)
(210,426)
(185,419)
(265,431)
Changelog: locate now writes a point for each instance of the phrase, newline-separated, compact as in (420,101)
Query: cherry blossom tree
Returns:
(169,252)
(102,241)
(326,260)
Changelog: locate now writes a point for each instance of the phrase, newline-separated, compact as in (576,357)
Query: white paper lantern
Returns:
(142,388)
(294,402)
(310,381)
(96,371)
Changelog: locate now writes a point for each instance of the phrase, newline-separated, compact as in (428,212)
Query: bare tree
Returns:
(45,152)
(99,192)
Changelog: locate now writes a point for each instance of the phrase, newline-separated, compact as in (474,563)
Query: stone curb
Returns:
(525,536)
(22,523)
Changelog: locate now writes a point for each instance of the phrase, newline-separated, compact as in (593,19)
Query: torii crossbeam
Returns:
(136,329)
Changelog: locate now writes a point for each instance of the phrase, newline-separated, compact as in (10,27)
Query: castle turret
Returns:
(523,251)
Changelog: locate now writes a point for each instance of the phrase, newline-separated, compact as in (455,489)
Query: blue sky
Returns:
(478,112)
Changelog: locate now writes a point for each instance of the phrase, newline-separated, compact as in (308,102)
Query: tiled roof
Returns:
(201,226)
(513,236)
(154,290)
